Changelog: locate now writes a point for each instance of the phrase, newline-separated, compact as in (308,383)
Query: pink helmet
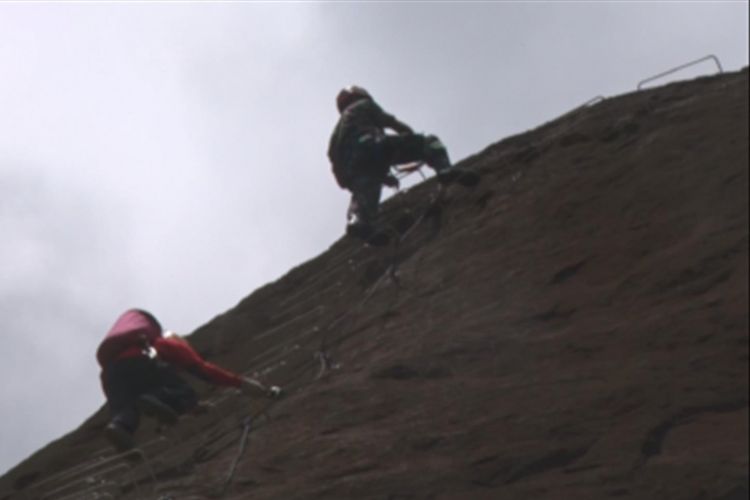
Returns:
(349,96)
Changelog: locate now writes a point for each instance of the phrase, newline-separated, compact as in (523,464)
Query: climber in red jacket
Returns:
(140,373)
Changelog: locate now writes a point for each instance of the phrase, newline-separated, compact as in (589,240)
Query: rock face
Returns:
(575,327)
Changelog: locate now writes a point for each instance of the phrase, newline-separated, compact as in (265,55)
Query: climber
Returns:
(140,374)
(362,153)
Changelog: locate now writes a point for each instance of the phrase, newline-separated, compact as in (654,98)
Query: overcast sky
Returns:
(172,156)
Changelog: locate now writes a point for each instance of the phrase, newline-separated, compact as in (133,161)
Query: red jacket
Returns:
(136,330)
(179,353)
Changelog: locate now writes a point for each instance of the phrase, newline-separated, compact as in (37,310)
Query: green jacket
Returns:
(362,118)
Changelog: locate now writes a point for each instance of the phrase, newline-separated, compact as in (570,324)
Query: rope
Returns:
(294,382)
(247,425)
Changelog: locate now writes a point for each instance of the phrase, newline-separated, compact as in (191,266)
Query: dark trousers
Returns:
(125,380)
(372,159)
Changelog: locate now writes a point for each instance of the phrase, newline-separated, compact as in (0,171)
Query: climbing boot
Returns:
(357,226)
(458,175)
(119,437)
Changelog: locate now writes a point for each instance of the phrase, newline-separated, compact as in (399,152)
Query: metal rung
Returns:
(683,66)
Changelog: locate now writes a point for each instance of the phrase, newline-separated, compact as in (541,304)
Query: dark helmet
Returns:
(349,96)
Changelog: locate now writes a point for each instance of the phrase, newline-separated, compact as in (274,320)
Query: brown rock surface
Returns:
(576,327)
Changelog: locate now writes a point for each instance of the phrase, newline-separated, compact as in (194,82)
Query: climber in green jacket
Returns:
(362,153)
